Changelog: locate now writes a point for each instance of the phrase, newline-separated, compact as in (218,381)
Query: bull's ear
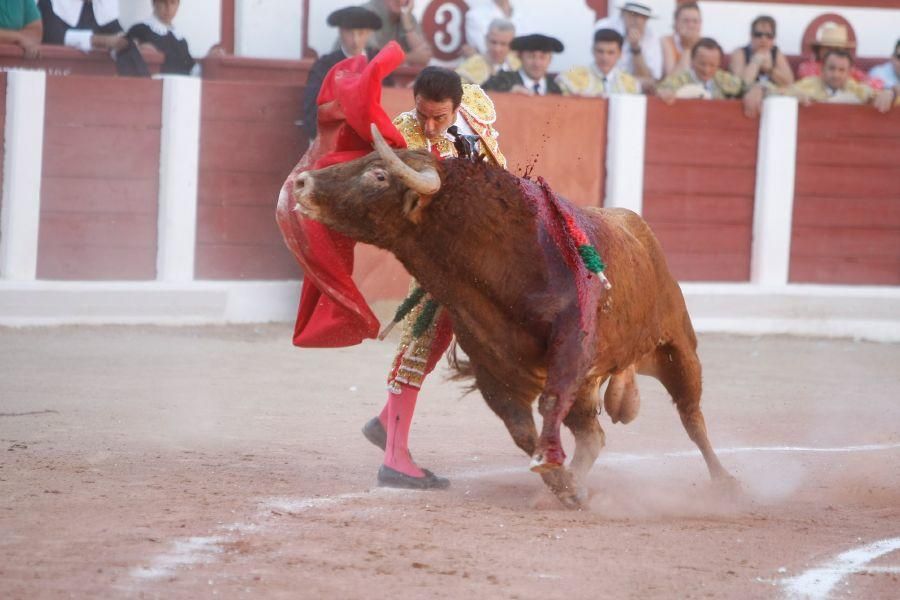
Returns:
(414,205)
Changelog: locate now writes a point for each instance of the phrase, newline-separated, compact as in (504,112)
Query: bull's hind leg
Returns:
(678,368)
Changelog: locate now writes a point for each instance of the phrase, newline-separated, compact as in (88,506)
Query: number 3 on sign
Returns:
(444,25)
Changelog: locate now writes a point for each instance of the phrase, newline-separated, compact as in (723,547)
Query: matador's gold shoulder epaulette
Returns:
(731,85)
(474,69)
(478,104)
(576,80)
(629,84)
(408,126)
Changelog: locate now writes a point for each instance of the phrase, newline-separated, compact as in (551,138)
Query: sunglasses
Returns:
(764,34)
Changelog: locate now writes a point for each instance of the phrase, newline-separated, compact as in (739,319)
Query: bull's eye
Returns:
(380,176)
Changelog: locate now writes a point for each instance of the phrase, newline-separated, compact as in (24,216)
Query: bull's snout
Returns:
(303,186)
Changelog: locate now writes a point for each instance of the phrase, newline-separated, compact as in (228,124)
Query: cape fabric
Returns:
(332,311)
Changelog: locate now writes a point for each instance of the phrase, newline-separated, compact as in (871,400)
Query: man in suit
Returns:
(355,26)
(536,51)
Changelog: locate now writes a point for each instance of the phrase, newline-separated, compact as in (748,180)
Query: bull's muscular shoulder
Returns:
(408,126)
(478,104)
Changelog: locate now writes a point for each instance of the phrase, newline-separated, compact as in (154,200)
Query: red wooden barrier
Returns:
(62,60)
(100,179)
(248,145)
(699,185)
(846,223)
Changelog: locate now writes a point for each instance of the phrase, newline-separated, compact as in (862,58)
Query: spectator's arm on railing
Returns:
(29,38)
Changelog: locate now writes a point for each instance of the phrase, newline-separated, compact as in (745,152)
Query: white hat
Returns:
(638,9)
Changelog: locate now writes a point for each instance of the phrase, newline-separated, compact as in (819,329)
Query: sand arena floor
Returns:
(222,462)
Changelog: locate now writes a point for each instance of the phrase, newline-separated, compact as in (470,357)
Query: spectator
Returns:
(830,35)
(83,24)
(761,60)
(479,20)
(888,73)
(20,24)
(398,23)
(603,77)
(355,28)
(536,52)
(704,79)
(159,32)
(676,48)
(642,53)
(835,85)
(478,68)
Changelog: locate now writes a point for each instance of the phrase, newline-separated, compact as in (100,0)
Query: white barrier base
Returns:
(867,313)
(200,302)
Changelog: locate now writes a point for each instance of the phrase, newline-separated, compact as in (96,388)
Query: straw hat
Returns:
(833,35)
(638,8)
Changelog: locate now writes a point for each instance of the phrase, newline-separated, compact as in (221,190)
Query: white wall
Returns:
(197,20)
(268,28)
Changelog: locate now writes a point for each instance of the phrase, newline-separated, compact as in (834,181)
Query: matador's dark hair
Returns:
(438,84)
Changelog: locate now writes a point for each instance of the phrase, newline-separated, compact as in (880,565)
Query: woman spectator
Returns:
(761,60)
(159,32)
(20,24)
(677,47)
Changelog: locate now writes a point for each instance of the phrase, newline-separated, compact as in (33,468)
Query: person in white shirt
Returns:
(642,54)
(478,22)
(888,73)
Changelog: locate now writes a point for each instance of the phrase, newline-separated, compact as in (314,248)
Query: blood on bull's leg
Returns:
(549,453)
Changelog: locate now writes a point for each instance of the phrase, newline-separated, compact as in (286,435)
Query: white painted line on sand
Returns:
(622,457)
(816,584)
(204,550)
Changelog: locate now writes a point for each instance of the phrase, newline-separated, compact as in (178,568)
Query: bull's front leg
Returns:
(567,360)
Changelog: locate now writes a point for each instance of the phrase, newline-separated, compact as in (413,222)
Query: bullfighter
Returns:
(442,102)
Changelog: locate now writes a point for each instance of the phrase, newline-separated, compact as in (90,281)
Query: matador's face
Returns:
(435,116)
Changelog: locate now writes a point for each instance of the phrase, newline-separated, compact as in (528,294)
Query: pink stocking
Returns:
(400,408)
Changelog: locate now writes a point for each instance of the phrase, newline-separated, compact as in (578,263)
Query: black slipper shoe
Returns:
(388,477)
(375,433)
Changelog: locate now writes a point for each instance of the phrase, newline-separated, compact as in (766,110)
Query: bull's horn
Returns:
(426,183)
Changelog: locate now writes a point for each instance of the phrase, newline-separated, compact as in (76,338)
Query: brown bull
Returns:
(469,235)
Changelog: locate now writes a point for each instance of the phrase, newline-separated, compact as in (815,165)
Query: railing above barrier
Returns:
(62,60)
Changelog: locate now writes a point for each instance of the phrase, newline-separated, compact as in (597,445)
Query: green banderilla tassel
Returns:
(425,318)
(404,309)
(591,259)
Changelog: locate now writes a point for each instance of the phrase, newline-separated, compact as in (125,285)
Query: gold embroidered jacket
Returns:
(479,113)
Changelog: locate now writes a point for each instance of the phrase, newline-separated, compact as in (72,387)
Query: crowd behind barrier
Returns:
(699,172)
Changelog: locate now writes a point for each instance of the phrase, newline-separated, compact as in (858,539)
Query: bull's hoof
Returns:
(727,485)
(541,464)
(576,499)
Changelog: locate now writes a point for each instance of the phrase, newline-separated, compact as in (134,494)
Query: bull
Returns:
(472,236)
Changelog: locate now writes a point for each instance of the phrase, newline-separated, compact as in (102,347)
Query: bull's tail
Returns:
(463,368)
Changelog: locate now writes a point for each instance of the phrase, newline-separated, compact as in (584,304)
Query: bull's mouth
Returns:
(304,209)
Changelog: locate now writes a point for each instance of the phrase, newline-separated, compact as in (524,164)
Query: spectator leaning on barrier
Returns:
(478,68)
(536,52)
(603,77)
(479,19)
(398,23)
(829,36)
(761,60)
(835,85)
(355,28)
(676,48)
(704,79)
(888,73)
(83,24)
(20,24)
(642,52)
(159,32)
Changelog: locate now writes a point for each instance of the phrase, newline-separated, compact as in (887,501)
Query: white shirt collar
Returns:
(348,55)
(528,82)
(105,11)
(160,28)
